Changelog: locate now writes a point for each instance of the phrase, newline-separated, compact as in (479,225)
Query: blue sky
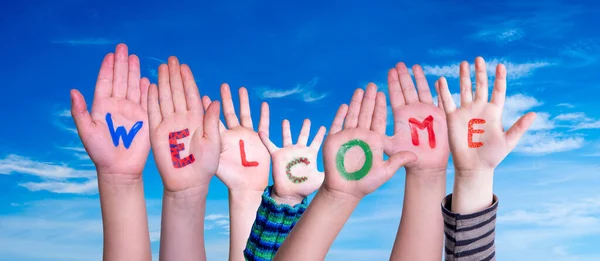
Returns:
(304,60)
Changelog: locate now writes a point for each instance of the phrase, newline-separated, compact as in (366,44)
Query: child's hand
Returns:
(115,135)
(295,171)
(419,126)
(353,157)
(185,139)
(244,163)
(477,139)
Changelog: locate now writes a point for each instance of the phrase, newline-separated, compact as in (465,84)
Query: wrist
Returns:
(284,198)
(188,199)
(339,197)
(473,190)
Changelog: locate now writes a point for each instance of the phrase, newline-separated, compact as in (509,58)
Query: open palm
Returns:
(244,161)
(477,139)
(119,100)
(185,141)
(353,156)
(295,173)
(419,125)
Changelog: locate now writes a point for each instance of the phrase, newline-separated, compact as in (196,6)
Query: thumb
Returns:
(514,134)
(79,111)
(211,122)
(398,160)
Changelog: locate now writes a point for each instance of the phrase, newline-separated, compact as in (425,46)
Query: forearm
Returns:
(473,191)
(421,230)
(182,225)
(325,217)
(242,211)
(124,218)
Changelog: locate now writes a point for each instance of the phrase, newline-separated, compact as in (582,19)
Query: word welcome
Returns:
(290,164)
(246,163)
(359,174)
(475,131)
(178,162)
(122,132)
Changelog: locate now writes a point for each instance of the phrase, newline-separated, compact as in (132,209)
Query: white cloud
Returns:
(216,216)
(443,52)
(87,41)
(566,105)
(578,121)
(583,52)
(304,92)
(517,105)
(76,149)
(64,113)
(513,70)
(23,165)
(499,35)
(570,116)
(540,143)
(88,187)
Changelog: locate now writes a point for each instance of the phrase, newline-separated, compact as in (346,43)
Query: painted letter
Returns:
(178,162)
(292,163)
(121,132)
(476,131)
(359,174)
(427,123)
(243,156)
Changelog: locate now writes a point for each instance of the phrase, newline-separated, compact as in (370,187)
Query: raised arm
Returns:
(420,127)
(478,144)
(186,146)
(115,135)
(295,176)
(244,166)
(354,167)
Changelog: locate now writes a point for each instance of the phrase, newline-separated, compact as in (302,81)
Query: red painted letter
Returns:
(477,131)
(243,156)
(178,162)
(427,123)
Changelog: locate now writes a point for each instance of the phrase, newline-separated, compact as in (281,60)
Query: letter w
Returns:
(121,132)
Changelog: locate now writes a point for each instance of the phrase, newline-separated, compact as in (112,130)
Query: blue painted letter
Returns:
(121,132)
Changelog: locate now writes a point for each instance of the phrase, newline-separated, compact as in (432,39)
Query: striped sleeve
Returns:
(272,225)
(470,237)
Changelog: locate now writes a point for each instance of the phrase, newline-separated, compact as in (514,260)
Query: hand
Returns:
(185,141)
(244,161)
(419,126)
(115,135)
(477,139)
(353,157)
(295,171)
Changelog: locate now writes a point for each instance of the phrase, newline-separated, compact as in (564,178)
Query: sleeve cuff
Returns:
(272,224)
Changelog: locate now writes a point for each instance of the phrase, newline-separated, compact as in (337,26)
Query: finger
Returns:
(481,80)
(394,89)
(286,133)
(211,122)
(447,100)
(318,139)
(154,113)
(466,89)
(144,85)
(367,106)
(228,109)
(263,124)
(406,83)
(514,134)
(192,94)
(271,147)
(245,117)
(380,115)
(338,121)
(81,116)
(422,85)
(439,95)
(354,109)
(176,85)
(164,91)
(133,79)
(205,103)
(104,84)
(398,160)
(121,71)
(304,133)
(499,92)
